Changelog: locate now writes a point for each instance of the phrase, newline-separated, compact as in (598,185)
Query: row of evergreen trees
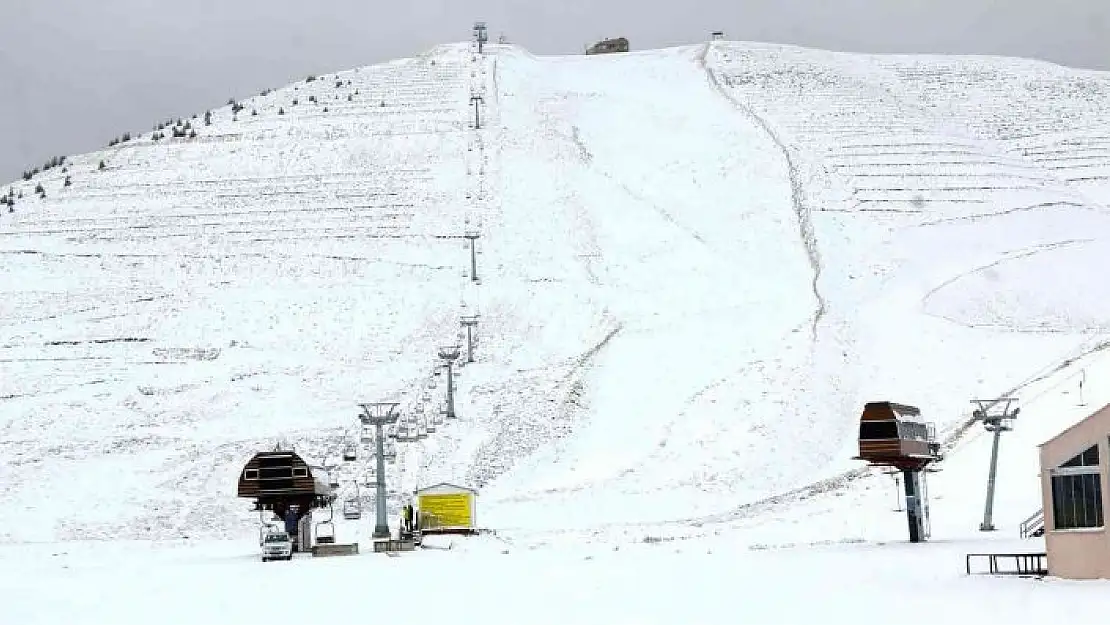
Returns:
(179,129)
(184,129)
(57,161)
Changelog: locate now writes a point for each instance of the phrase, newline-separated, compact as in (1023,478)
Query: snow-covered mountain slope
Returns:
(695,265)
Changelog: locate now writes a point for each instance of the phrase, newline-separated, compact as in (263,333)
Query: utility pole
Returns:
(997,422)
(476,100)
(449,353)
(471,322)
(380,414)
(472,235)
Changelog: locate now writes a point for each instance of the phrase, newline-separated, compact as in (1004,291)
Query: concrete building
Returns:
(1074,474)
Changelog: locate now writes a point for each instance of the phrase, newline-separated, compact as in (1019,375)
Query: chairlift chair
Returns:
(325,532)
(350,455)
(352,509)
(328,536)
(404,434)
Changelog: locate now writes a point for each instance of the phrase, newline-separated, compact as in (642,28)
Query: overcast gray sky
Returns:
(75,73)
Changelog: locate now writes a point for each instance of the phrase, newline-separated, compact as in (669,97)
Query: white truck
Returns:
(276,546)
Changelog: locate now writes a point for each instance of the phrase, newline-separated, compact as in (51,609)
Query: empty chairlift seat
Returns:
(352,508)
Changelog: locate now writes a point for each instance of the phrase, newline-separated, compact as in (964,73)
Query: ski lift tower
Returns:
(480,35)
(997,421)
(449,354)
(380,414)
(472,236)
(470,322)
(477,101)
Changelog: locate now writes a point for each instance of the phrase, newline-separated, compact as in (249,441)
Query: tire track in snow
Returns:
(805,223)
(1012,256)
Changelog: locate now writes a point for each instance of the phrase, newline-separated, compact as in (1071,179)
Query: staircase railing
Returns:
(1034,525)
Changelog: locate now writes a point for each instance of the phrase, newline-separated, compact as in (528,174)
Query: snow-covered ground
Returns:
(488,581)
(696,265)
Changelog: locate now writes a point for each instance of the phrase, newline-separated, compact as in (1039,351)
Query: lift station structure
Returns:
(894,435)
(282,482)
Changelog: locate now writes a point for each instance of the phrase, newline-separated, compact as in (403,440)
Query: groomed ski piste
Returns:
(695,266)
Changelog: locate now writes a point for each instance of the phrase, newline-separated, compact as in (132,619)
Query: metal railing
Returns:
(1033,526)
(1023,564)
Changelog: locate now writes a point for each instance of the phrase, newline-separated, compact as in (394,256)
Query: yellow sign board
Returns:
(447,510)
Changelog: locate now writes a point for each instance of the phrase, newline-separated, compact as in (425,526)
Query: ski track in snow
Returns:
(805,222)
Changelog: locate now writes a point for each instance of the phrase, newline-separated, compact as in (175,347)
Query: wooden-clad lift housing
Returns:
(278,479)
(893,434)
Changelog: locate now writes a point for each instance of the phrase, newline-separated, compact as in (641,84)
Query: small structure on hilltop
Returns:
(609,46)
(894,435)
(446,509)
(717,35)
(1073,466)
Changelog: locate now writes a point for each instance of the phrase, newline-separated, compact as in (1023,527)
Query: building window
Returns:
(1088,458)
(300,472)
(912,430)
(250,474)
(1077,492)
(877,430)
